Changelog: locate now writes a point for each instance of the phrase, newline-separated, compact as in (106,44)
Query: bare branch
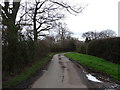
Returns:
(68,7)
(16,6)
(39,26)
(42,35)
(45,29)
(41,4)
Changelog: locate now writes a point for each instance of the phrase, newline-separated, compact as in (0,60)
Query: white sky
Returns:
(98,15)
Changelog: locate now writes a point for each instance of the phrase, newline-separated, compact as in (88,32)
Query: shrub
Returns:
(25,54)
(106,48)
(82,47)
(64,46)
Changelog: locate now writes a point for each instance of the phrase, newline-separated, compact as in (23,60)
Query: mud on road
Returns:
(62,73)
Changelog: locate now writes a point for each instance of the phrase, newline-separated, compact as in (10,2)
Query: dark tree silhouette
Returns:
(90,35)
(9,14)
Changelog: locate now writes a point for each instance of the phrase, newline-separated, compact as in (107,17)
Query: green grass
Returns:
(27,73)
(97,64)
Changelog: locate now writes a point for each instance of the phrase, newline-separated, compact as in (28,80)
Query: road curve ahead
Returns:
(62,73)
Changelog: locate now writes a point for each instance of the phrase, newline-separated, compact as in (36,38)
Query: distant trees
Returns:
(63,32)
(107,34)
(90,35)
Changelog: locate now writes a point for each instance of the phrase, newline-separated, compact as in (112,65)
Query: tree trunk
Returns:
(34,23)
(11,56)
(35,34)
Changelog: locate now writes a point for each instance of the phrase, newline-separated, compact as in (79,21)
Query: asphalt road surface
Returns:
(62,73)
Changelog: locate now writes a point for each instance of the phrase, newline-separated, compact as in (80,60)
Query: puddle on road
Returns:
(59,58)
(62,56)
(106,85)
(63,67)
(60,62)
(92,78)
(112,86)
(44,70)
(115,85)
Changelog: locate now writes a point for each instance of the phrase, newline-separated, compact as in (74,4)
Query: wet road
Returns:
(62,73)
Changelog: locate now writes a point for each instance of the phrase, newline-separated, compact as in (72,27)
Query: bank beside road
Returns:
(97,64)
(23,80)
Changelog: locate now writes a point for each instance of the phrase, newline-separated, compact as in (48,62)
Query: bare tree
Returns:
(63,32)
(107,33)
(90,35)
(9,14)
(10,30)
(44,14)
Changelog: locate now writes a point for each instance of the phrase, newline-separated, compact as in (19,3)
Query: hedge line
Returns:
(108,49)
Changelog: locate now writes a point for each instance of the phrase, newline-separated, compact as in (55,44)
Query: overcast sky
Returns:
(98,15)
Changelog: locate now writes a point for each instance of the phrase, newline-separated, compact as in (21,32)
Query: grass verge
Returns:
(97,64)
(27,73)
